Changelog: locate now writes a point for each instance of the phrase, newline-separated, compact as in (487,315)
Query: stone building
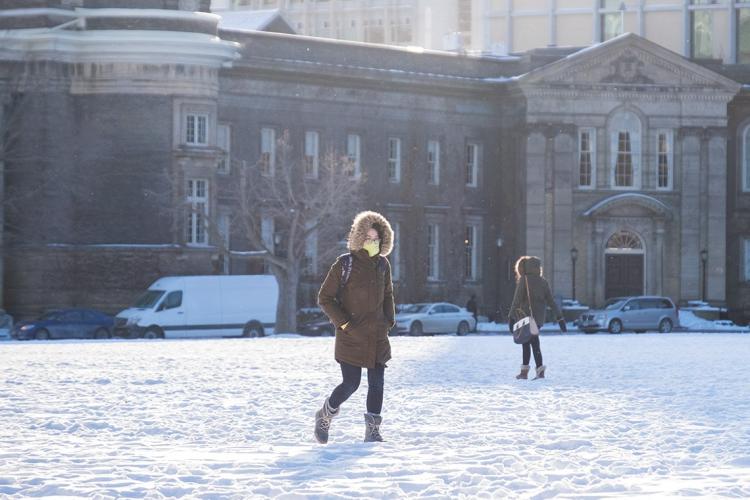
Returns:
(125,128)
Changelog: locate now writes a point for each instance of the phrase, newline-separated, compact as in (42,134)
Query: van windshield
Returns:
(614,305)
(148,299)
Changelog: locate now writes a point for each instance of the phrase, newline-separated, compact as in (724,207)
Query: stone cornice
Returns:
(689,94)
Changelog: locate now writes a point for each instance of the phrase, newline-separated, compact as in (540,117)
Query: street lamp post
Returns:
(573,259)
(704,260)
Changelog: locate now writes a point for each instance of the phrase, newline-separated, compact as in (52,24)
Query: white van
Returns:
(202,306)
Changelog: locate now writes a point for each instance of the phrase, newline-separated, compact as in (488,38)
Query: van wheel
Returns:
(153,332)
(42,335)
(101,333)
(253,329)
(665,326)
(615,326)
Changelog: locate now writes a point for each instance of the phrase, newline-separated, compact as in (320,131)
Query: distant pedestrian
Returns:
(531,286)
(471,306)
(357,296)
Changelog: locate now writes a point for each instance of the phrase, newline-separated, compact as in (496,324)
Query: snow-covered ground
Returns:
(630,415)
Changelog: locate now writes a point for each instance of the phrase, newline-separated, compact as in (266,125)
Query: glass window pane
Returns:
(743,36)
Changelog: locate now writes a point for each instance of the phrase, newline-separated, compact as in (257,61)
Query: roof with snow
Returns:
(271,20)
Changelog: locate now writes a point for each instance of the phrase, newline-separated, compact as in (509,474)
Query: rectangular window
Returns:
(354,153)
(394,159)
(197,220)
(586,155)
(611,25)
(743,36)
(472,164)
(471,249)
(224,143)
(746,258)
(311,154)
(624,163)
(267,151)
(433,162)
(196,129)
(664,159)
(396,252)
(433,252)
(701,33)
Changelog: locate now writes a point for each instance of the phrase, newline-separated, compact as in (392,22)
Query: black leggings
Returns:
(352,376)
(528,346)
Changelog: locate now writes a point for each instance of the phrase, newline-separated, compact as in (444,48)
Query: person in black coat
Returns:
(471,306)
(529,273)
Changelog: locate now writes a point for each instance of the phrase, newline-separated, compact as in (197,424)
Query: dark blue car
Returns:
(66,324)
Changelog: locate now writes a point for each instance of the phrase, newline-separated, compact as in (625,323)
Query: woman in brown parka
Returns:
(357,296)
(529,270)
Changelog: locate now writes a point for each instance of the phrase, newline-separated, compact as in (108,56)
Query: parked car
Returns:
(632,313)
(66,324)
(439,317)
(202,306)
(315,323)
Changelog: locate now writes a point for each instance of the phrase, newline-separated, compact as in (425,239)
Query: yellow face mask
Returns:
(372,247)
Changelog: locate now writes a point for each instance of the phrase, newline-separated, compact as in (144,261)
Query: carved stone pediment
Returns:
(628,61)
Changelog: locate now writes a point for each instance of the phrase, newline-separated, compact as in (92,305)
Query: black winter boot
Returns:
(323,419)
(540,372)
(524,373)
(372,427)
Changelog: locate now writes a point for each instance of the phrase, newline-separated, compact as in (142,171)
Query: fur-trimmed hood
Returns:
(358,233)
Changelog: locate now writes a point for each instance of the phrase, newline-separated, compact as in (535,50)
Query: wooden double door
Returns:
(623,275)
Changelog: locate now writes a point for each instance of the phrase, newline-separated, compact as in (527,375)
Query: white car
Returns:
(438,317)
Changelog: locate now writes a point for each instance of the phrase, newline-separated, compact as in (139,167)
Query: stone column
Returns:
(690,216)
(715,232)
(596,253)
(562,211)
(536,146)
(659,258)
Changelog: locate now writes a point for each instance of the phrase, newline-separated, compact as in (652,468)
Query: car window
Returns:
(416,308)
(615,305)
(632,305)
(71,316)
(451,309)
(50,316)
(148,299)
(174,299)
(665,304)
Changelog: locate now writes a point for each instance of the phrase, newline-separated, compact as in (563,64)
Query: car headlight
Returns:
(133,320)
(601,317)
(26,327)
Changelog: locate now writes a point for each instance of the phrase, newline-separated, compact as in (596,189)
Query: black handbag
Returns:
(525,327)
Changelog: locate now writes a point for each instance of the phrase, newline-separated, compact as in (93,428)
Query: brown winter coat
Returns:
(539,291)
(365,301)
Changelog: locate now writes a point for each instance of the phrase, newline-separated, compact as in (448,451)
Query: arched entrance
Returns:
(623,265)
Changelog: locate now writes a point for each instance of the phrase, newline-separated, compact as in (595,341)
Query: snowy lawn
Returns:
(642,415)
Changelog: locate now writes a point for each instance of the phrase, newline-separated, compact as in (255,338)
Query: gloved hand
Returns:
(563,326)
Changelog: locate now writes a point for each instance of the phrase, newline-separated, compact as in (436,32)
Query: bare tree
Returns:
(301,202)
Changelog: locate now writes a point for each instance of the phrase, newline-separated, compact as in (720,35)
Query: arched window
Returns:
(624,241)
(746,159)
(625,150)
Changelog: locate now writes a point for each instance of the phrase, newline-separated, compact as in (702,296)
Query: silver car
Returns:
(632,313)
(439,317)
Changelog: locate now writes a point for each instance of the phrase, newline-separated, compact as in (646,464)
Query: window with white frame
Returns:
(433,252)
(625,150)
(472,164)
(664,159)
(197,219)
(224,143)
(586,158)
(267,151)
(471,252)
(312,141)
(394,159)
(745,181)
(354,154)
(196,129)
(746,258)
(433,162)
(396,252)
